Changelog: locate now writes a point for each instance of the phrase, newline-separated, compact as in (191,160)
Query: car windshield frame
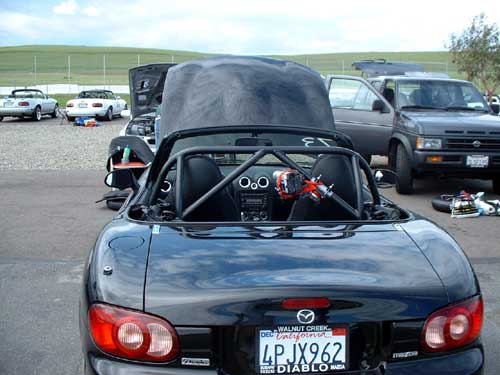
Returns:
(434,94)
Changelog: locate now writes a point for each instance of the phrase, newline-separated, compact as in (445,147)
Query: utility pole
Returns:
(69,70)
(34,67)
(138,60)
(104,69)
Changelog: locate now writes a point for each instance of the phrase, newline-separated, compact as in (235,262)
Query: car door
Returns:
(362,113)
(40,99)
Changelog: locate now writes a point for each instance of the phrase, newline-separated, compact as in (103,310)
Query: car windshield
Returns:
(439,94)
(251,139)
(92,95)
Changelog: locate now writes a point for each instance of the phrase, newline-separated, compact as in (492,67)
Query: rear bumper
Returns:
(454,163)
(16,111)
(469,361)
(90,112)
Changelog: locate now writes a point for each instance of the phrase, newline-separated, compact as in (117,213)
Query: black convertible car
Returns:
(257,243)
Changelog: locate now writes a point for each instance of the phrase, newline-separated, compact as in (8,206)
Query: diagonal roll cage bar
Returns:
(281,153)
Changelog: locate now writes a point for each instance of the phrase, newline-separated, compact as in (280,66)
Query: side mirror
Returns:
(121,179)
(125,113)
(385,178)
(379,105)
(495,107)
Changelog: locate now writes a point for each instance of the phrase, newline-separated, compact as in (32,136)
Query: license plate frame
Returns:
(82,105)
(314,365)
(477,161)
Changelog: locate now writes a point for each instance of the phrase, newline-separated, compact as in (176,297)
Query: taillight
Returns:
(96,104)
(69,104)
(453,326)
(23,104)
(305,303)
(131,334)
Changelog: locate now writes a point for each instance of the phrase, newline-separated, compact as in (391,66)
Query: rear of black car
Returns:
(237,304)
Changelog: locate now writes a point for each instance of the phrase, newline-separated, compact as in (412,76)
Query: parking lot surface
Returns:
(49,222)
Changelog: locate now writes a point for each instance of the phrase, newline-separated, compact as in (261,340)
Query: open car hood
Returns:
(373,68)
(146,87)
(243,91)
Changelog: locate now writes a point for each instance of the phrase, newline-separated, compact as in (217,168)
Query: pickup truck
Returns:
(426,124)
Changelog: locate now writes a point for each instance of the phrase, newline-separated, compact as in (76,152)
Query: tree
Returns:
(476,51)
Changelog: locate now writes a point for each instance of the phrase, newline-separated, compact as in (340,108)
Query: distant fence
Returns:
(56,72)
(64,88)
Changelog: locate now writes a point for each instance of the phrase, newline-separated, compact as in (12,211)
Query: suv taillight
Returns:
(132,334)
(453,326)
(23,104)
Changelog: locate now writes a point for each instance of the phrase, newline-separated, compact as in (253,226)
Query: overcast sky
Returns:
(241,27)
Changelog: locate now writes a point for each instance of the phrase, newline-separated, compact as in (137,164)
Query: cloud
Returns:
(68,7)
(91,11)
(256,27)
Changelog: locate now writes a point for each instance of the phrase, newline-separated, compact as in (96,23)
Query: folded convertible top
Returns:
(241,91)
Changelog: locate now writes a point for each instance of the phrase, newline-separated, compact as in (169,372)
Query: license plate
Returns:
(82,105)
(302,349)
(477,161)
(8,104)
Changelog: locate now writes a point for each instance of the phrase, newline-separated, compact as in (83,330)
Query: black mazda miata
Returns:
(257,243)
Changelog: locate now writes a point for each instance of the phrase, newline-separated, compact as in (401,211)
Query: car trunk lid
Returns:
(380,272)
(232,281)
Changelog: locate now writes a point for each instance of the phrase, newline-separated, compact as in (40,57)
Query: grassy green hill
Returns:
(17,64)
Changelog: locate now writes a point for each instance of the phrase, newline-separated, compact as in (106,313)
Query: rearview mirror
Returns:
(121,179)
(125,113)
(385,178)
(379,105)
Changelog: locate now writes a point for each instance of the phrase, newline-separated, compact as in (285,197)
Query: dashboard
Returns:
(254,193)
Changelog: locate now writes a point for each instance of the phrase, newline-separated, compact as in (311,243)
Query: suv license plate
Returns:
(82,105)
(301,349)
(477,161)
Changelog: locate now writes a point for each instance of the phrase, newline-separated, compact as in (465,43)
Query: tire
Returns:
(496,185)
(109,114)
(1,118)
(404,182)
(56,109)
(368,158)
(37,115)
(116,199)
(115,205)
(441,205)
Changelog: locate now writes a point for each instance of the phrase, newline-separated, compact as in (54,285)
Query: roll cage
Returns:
(257,153)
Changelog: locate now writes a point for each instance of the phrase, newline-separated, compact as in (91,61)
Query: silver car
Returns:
(28,103)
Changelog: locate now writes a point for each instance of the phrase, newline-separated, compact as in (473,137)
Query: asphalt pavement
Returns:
(49,222)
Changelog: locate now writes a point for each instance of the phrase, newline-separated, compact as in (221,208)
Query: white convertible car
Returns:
(95,103)
(27,103)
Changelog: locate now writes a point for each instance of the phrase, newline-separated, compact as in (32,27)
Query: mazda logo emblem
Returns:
(476,144)
(305,316)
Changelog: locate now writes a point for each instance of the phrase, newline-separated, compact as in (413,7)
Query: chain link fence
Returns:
(54,70)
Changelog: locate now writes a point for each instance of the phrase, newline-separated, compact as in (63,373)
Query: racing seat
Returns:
(336,170)
(200,174)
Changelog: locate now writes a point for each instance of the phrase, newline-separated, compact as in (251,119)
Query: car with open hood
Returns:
(28,103)
(426,123)
(146,84)
(257,242)
(102,104)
